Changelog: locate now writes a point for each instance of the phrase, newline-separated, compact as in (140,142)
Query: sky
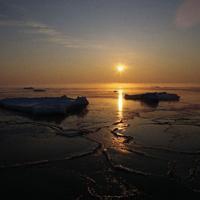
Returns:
(82,41)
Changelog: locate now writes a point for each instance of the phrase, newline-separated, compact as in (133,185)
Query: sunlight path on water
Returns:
(120,104)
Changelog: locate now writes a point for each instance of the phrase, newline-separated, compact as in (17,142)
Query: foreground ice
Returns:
(153,97)
(45,105)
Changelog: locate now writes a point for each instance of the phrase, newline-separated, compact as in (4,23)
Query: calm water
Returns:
(148,140)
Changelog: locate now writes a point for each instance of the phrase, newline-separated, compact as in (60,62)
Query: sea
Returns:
(113,141)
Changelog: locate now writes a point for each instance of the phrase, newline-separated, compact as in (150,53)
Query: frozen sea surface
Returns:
(114,149)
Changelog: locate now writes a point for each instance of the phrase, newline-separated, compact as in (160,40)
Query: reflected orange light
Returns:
(120,103)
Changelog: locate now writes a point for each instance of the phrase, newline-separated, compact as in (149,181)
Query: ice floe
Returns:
(153,97)
(45,105)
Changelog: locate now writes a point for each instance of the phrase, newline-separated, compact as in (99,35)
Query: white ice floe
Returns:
(154,97)
(45,105)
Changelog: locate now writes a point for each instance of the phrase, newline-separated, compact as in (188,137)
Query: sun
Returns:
(120,68)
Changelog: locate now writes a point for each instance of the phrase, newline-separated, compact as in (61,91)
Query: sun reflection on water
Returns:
(119,139)
(120,103)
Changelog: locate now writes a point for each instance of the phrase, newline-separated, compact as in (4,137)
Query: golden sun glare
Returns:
(120,68)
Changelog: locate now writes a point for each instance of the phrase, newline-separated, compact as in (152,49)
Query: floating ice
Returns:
(45,105)
(39,90)
(153,97)
(28,88)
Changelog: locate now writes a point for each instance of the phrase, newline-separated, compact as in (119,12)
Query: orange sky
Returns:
(83,42)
